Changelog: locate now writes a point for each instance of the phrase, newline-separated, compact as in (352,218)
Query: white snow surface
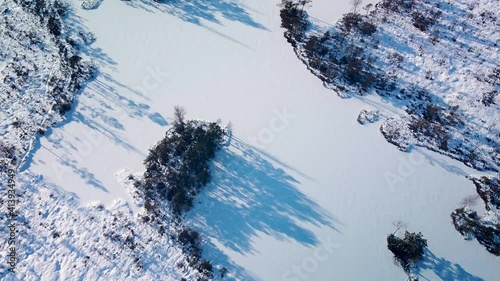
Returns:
(302,193)
(61,239)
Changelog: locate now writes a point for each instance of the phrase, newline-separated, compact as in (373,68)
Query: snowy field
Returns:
(303,192)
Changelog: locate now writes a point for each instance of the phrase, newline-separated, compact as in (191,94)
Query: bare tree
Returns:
(368,8)
(355,5)
(399,224)
(303,3)
(469,201)
(179,113)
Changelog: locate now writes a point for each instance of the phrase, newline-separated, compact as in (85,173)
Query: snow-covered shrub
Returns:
(7,157)
(191,242)
(422,22)
(367,28)
(368,116)
(91,4)
(54,26)
(488,98)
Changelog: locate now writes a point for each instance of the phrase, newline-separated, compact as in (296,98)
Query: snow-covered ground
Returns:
(60,239)
(303,192)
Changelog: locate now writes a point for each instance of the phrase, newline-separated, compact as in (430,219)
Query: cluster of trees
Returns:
(493,78)
(50,14)
(422,21)
(470,225)
(433,122)
(178,166)
(357,22)
(334,56)
(407,250)
(488,189)
(339,60)
(432,131)
(294,19)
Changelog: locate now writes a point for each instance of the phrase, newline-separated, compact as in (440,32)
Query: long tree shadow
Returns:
(223,262)
(100,107)
(250,194)
(195,12)
(444,269)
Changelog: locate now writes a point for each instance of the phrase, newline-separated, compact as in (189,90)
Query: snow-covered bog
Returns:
(41,72)
(60,239)
(319,182)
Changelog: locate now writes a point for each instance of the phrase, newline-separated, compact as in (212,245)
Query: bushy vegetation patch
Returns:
(294,19)
(470,226)
(178,167)
(407,250)
(485,229)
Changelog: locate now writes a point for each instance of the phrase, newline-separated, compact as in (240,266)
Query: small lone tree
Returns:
(303,3)
(355,5)
(368,8)
(399,224)
(179,114)
(469,201)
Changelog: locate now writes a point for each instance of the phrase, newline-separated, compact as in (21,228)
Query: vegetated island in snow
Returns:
(41,71)
(408,251)
(177,168)
(437,60)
